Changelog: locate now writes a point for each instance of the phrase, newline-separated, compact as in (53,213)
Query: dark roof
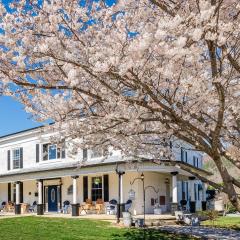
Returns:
(22,131)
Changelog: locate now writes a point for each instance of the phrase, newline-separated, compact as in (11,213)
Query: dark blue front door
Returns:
(52,199)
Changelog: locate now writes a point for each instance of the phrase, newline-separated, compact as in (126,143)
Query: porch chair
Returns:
(179,216)
(3,205)
(99,205)
(10,207)
(111,209)
(66,207)
(33,208)
(24,207)
(183,204)
(128,205)
(89,204)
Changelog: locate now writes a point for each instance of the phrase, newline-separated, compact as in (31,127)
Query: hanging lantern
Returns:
(97,180)
(131,194)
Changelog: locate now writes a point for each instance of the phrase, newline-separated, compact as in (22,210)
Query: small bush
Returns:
(208,215)
(229,208)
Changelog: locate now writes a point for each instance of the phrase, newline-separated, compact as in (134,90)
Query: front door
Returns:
(52,199)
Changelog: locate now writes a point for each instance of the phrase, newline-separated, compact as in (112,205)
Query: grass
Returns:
(40,228)
(225,222)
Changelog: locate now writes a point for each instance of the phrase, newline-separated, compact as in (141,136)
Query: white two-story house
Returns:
(34,170)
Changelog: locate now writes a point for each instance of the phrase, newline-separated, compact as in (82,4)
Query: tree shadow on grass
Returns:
(147,234)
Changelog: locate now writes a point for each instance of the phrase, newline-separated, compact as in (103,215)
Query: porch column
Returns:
(120,204)
(204,197)
(192,202)
(174,204)
(121,189)
(40,197)
(75,205)
(17,205)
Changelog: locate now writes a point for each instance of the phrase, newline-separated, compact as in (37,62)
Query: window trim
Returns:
(96,157)
(58,150)
(102,188)
(12,159)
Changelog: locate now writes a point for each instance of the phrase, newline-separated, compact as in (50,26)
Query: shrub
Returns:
(229,208)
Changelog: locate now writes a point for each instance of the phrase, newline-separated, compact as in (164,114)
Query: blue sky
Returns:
(13,118)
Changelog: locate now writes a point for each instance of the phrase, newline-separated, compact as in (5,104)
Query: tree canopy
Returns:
(130,74)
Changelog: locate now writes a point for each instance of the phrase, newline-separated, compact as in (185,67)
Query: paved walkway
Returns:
(204,232)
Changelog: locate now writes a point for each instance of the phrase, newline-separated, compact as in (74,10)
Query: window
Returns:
(196,191)
(184,155)
(183,191)
(96,153)
(96,188)
(16,157)
(52,151)
(85,154)
(195,162)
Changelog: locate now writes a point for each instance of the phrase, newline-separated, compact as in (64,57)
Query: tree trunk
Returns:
(227,182)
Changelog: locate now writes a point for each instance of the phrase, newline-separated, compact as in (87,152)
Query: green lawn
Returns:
(35,228)
(226,222)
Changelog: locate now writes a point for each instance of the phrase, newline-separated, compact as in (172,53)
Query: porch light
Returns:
(97,180)
(131,194)
(142,176)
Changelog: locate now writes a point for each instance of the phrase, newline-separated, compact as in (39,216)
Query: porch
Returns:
(148,187)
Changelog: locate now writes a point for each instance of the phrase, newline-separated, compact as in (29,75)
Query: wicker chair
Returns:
(99,206)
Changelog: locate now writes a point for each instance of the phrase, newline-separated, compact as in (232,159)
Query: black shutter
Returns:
(186,157)
(106,188)
(14,193)
(21,192)
(182,153)
(63,152)
(9,192)
(85,154)
(183,192)
(37,152)
(85,188)
(21,157)
(8,160)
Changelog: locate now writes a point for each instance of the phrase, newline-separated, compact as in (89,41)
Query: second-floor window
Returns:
(184,155)
(53,151)
(16,158)
(197,162)
(95,153)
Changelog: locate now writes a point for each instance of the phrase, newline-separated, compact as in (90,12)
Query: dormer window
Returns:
(52,152)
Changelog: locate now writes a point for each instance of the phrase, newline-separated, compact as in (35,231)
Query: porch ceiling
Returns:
(72,170)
